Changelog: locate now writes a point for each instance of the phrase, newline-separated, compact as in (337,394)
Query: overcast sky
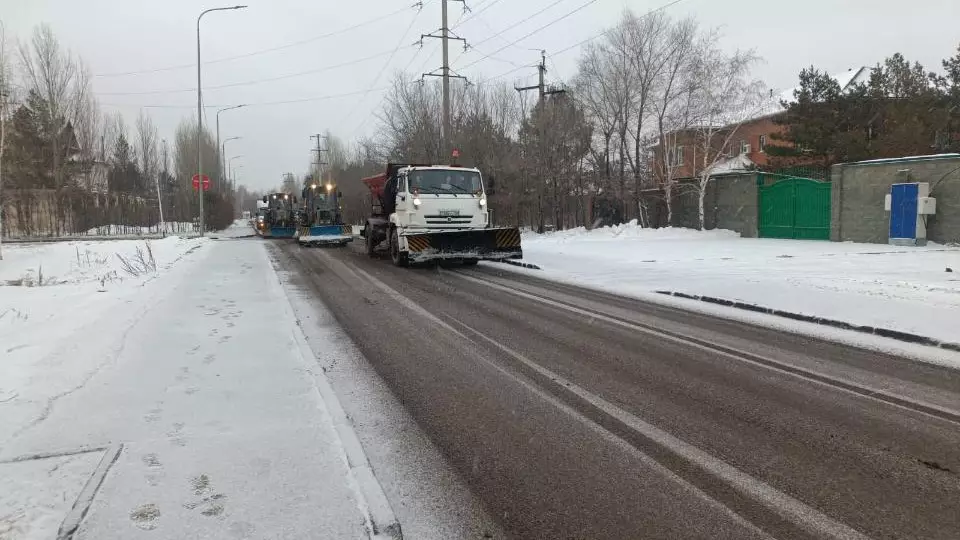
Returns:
(120,36)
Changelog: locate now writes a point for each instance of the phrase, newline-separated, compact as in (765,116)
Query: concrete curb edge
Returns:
(381,520)
(73,519)
(883,332)
(520,264)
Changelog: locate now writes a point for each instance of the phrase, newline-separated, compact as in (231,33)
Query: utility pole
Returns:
(319,151)
(541,86)
(445,36)
(163,175)
(542,91)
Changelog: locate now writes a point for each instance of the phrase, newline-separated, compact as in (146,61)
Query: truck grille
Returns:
(448,220)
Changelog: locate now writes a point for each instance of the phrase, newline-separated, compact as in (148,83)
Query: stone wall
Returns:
(730,203)
(859,190)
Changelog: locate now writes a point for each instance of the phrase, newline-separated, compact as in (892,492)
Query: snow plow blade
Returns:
(279,232)
(480,244)
(325,234)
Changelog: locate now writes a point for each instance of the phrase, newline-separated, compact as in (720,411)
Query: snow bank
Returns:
(78,261)
(906,289)
(120,230)
(50,294)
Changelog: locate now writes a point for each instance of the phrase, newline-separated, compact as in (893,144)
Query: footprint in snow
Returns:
(145,516)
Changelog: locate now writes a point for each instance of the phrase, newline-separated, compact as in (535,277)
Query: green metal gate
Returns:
(797,208)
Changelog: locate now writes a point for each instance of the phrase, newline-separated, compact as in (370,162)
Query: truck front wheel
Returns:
(399,258)
(371,243)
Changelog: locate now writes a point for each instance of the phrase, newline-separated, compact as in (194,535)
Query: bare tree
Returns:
(5,86)
(112,126)
(51,73)
(87,119)
(648,46)
(147,141)
(723,97)
(671,104)
(594,90)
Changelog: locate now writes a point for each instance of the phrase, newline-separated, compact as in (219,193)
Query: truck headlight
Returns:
(483,202)
(416,202)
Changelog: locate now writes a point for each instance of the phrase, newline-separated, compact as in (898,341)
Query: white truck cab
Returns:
(427,213)
(439,198)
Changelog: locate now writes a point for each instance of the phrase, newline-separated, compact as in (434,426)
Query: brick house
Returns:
(747,148)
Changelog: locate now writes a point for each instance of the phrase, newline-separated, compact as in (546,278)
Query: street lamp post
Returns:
(222,170)
(230,165)
(223,151)
(200,110)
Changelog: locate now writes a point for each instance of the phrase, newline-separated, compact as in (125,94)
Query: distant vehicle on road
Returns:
(434,212)
(321,221)
(279,216)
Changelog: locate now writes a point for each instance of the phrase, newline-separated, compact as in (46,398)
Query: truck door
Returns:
(401,198)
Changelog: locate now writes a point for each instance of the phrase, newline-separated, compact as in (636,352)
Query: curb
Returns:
(81,506)
(381,521)
(883,332)
(520,264)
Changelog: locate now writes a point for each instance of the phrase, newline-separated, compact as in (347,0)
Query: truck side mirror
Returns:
(294,199)
(264,198)
(339,194)
(491,185)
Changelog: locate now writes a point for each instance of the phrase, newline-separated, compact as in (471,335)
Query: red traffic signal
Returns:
(196,182)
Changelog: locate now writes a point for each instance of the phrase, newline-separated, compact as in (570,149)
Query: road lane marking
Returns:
(783,505)
(556,402)
(828,381)
(787,507)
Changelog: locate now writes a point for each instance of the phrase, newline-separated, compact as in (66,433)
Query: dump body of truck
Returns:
(321,218)
(434,212)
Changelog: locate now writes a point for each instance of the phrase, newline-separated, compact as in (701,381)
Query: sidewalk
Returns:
(219,422)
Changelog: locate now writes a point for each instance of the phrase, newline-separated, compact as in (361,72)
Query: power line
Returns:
(591,38)
(261,51)
(254,81)
(386,64)
(549,24)
(474,14)
(254,104)
(521,21)
(373,111)
(579,43)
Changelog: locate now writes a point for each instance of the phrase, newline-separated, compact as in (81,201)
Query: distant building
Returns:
(748,145)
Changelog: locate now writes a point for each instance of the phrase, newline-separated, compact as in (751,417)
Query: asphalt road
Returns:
(577,414)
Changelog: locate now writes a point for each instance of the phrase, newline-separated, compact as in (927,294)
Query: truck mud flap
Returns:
(489,244)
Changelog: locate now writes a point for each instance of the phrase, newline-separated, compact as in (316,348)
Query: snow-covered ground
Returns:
(57,330)
(192,390)
(900,288)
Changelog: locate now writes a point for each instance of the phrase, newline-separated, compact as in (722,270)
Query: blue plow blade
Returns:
(326,234)
(329,230)
(282,232)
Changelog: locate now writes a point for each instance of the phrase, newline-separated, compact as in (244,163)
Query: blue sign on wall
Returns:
(903,210)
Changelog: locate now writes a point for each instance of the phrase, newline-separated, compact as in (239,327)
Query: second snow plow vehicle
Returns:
(434,212)
(321,221)
(279,216)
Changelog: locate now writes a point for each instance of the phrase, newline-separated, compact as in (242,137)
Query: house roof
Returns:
(845,79)
(736,164)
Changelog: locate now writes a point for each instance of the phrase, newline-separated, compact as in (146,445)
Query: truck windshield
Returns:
(445,181)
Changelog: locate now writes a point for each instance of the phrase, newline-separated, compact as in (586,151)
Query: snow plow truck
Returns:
(425,213)
(321,222)
(279,216)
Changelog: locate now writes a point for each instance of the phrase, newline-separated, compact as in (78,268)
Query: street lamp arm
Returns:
(204,12)
(200,108)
